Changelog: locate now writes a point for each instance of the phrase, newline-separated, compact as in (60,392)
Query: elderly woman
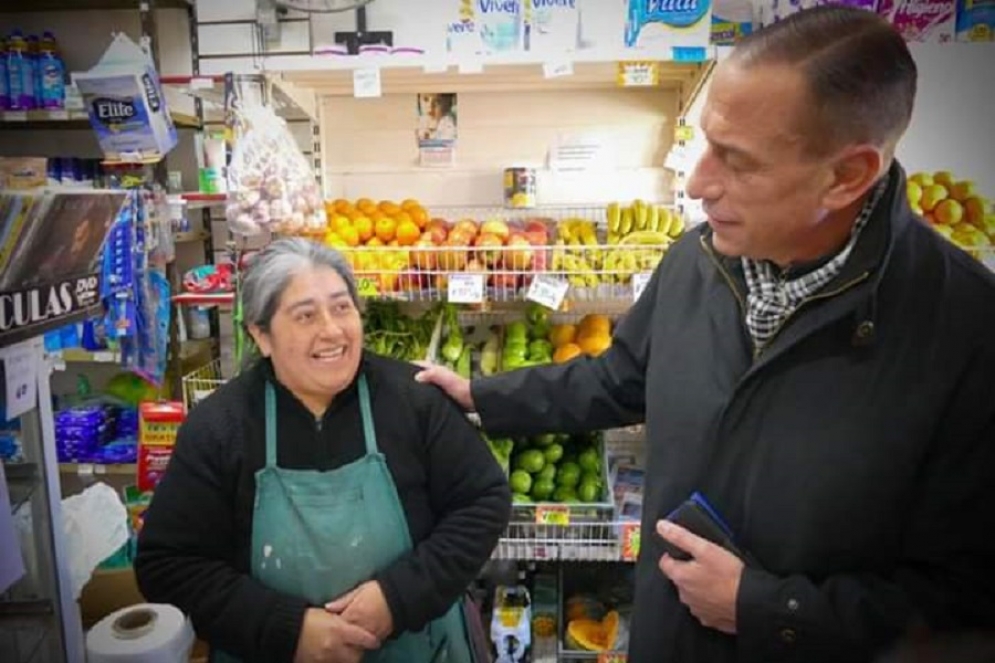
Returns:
(322,506)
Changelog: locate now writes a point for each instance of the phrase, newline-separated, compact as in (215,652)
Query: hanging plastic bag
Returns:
(271,187)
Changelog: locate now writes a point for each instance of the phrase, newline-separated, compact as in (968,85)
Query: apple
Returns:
(454,258)
(519,259)
(466,226)
(488,247)
(424,253)
(537,230)
(474,266)
(438,229)
(496,227)
(508,282)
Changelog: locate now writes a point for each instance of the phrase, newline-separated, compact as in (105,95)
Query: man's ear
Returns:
(261,339)
(855,171)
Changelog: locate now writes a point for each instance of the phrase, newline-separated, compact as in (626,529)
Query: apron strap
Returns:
(369,433)
(270,425)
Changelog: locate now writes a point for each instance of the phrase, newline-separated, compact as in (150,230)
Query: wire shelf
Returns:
(200,383)
(574,542)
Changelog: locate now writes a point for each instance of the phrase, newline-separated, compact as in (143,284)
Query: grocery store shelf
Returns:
(15,6)
(188,349)
(22,480)
(25,612)
(204,299)
(86,469)
(69,120)
(580,542)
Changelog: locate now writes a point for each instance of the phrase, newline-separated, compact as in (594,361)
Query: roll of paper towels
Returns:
(144,633)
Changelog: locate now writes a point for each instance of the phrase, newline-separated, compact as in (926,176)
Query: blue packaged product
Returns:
(500,24)
(51,74)
(4,84)
(674,16)
(20,73)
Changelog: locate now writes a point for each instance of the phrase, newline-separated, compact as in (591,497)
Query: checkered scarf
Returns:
(773,297)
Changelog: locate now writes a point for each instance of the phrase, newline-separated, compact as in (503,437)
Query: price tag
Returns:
(466,288)
(366,83)
(548,291)
(557,69)
(84,469)
(100,469)
(435,68)
(684,132)
(638,74)
(639,281)
(612,657)
(15,116)
(552,514)
(471,67)
(368,286)
(103,357)
(631,540)
(690,53)
(201,83)
(58,115)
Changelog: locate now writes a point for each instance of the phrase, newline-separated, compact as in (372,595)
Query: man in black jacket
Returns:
(815,360)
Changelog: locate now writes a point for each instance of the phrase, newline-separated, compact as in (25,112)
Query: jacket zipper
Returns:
(725,275)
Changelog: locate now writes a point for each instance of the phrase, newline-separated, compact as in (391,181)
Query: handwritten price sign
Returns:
(631,540)
(466,288)
(639,282)
(552,514)
(548,291)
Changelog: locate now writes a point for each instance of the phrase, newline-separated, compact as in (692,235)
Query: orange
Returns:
(340,204)
(974,209)
(364,226)
(385,229)
(350,235)
(562,335)
(594,344)
(338,222)
(407,233)
(419,216)
(365,205)
(402,217)
(375,241)
(408,203)
(949,212)
(565,353)
(388,208)
(595,324)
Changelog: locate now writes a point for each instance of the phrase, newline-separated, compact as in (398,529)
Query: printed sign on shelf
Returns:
(548,291)
(639,282)
(638,74)
(466,288)
(552,514)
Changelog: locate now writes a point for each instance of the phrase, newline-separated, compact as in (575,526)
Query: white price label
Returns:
(100,469)
(548,291)
(639,282)
(16,116)
(58,115)
(471,67)
(366,83)
(21,376)
(201,83)
(84,469)
(558,69)
(466,288)
(103,357)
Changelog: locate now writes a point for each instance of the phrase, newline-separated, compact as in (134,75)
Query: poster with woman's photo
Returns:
(437,129)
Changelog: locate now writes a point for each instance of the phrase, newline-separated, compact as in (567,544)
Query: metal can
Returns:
(520,187)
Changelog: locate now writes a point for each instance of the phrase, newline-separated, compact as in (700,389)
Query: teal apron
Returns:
(318,535)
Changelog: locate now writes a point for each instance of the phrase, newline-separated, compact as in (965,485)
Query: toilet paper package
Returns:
(144,633)
(731,21)
(552,26)
(126,106)
(665,24)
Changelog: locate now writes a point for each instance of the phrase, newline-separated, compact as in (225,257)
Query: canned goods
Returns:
(520,187)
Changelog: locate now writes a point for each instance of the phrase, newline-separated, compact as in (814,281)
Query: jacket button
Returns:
(865,330)
(792,605)
(788,635)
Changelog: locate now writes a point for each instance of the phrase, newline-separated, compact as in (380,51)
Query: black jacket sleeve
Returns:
(944,582)
(186,550)
(581,395)
(471,501)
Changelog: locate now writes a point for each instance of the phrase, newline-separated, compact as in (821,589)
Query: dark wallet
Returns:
(699,517)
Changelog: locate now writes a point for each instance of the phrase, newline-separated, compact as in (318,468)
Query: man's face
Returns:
(761,186)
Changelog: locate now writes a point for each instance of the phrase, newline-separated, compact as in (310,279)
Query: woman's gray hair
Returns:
(272,269)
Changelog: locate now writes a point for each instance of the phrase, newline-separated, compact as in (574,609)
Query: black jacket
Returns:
(194,547)
(855,457)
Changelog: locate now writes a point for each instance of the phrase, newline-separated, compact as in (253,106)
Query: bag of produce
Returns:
(270,183)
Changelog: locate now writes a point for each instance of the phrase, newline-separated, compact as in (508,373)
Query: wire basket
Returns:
(200,383)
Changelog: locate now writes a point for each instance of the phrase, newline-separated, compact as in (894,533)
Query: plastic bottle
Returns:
(34,57)
(4,83)
(51,74)
(20,73)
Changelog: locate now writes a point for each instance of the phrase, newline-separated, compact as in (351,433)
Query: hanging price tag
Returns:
(466,288)
(366,83)
(638,74)
(548,291)
(639,281)
(684,132)
(612,657)
(552,514)
(368,286)
(631,539)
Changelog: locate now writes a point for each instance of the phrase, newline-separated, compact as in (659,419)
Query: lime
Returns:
(520,482)
(518,498)
(564,494)
(591,477)
(568,475)
(588,492)
(547,473)
(544,440)
(531,461)
(542,490)
(553,453)
(589,460)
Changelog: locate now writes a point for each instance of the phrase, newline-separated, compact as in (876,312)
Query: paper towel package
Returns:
(126,106)
(144,633)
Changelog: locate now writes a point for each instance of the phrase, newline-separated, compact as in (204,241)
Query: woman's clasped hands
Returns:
(346,628)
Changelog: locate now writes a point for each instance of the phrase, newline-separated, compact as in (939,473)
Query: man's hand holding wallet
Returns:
(704,561)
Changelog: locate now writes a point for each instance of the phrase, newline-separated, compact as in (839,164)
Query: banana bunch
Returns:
(577,246)
(640,251)
(639,217)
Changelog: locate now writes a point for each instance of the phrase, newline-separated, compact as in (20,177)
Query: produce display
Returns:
(955,209)
(592,627)
(390,332)
(553,467)
(401,248)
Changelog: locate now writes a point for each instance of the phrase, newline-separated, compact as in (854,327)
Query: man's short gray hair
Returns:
(271,270)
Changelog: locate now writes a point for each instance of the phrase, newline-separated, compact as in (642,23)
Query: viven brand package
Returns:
(126,105)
